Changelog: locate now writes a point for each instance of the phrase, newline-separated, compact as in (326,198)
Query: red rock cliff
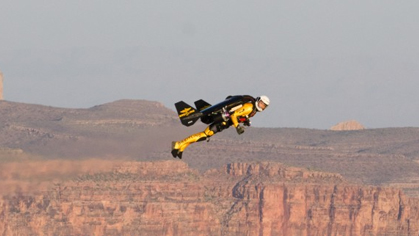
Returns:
(168,198)
(1,86)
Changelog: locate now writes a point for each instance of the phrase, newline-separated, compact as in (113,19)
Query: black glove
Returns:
(247,123)
(240,129)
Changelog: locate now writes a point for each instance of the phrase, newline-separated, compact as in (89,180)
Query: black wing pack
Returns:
(208,113)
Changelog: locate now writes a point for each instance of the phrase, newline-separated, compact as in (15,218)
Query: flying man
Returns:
(233,111)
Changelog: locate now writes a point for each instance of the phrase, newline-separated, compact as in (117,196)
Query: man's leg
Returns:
(179,147)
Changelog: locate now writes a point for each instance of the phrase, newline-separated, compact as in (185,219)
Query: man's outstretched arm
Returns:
(243,111)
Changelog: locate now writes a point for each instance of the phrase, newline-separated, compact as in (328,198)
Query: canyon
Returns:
(107,170)
(169,198)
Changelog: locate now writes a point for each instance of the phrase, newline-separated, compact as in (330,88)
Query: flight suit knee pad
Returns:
(208,131)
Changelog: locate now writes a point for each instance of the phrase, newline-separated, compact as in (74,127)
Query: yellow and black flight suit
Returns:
(240,115)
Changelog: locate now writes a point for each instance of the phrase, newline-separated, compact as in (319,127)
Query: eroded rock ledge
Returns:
(169,198)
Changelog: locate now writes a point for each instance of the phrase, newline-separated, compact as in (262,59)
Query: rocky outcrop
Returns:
(169,198)
(1,86)
(347,125)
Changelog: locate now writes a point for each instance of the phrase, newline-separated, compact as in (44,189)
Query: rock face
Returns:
(348,125)
(169,198)
(1,86)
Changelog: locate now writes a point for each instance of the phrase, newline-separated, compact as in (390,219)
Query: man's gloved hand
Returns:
(247,123)
(240,129)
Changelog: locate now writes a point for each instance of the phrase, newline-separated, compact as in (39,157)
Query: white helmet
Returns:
(264,99)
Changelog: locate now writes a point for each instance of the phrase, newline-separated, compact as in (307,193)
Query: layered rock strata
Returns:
(169,198)
(1,86)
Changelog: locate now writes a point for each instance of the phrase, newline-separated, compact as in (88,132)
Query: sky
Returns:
(320,62)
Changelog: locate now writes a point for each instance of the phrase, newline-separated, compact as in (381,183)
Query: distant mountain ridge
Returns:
(130,109)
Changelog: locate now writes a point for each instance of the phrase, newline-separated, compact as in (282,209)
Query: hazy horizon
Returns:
(319,62)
